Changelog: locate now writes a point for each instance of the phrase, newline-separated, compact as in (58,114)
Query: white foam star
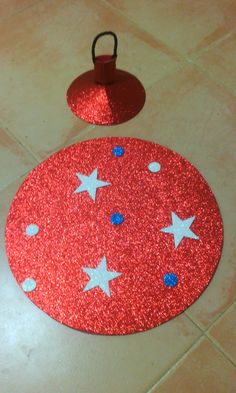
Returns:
(100,277)
(90,183)
(180,229)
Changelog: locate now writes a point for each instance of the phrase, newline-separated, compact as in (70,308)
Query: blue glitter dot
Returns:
(116,219)
(170,280)
(118,151)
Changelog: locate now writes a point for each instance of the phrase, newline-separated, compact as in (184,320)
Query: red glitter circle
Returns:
(75,233)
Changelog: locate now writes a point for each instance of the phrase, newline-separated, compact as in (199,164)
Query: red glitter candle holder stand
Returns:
(106,95)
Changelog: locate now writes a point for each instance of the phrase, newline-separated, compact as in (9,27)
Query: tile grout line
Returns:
(179,66)
(195,343)
(209,77)
(178,361)
(208,336)
(20,142)
(178,57)
(76,138)
(186,60)
(217,345)
(221,315)
(14,180)
(194,322)
(213,45)
(20,11)
(214,320)
(72,141)
(204,334)
(185,57)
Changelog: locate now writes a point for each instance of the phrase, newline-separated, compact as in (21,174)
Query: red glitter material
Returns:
(76,232)
(106,104)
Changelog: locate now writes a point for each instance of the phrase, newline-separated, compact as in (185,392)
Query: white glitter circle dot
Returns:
(154,167)
(29,285)
(32,230)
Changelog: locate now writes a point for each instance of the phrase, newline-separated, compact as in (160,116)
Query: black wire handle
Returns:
(100,35)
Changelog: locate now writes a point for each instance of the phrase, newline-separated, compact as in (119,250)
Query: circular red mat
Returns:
(114,235)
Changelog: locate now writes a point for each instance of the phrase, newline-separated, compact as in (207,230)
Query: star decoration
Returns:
(90,183)
(180,229)
(100,277)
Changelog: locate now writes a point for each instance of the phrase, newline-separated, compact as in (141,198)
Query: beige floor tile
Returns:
(50,46)
(203,370)
(186,26)
(220,63)
(14,159)
(224,332)
(38,354)
(192,115)
(11,7)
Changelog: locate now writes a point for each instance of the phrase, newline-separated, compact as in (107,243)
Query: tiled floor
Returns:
(184,52)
